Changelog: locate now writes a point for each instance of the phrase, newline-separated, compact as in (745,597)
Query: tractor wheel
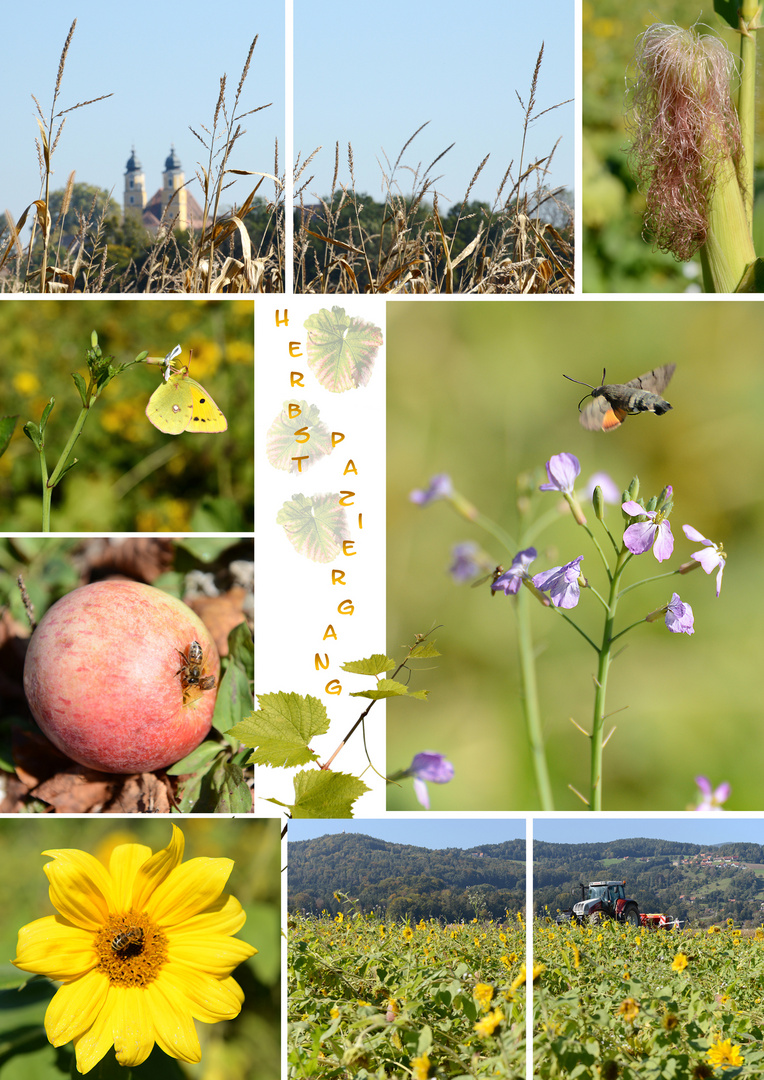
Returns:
(632,916)
(595,918)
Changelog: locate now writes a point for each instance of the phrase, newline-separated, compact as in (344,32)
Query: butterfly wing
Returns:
(207,417)
(600,415)
(171,406)
(654,381)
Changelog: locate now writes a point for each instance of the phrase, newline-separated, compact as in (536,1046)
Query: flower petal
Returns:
(224,916)
(52,947)
(188,890)
(173,1019)
(75,1007)
(215,954)
(133,1024)
(207,999)
(80,887)
(157,869)
(124,863)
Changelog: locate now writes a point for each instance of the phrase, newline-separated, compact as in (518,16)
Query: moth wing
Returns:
(207,417)
(171,406)
(600,415)
(654,381)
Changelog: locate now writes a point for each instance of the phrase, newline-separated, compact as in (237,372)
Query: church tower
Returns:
(173,181)
(135,188)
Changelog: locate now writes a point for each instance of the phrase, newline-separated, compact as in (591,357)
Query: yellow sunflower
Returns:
(143,948)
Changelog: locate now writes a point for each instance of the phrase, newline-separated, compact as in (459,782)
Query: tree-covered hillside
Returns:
(689,881)
(399,880)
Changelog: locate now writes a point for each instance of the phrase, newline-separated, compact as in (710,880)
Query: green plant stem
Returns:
(746,101)
(530,700)
(49,483)
(603,668)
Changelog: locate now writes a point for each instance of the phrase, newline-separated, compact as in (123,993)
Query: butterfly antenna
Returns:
(580,383)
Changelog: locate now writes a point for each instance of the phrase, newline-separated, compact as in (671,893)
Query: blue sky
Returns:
(421,831)
(162,62)
(372,74)
(692,829)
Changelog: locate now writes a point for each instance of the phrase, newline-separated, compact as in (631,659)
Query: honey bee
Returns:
(131,935)
(191,671)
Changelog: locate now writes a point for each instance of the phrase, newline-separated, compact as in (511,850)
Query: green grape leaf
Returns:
(7,428)
(425,651)
(280,730)
(315,525)
(321,794)
(282,445)
(386,688)
(372,665)
(341,350)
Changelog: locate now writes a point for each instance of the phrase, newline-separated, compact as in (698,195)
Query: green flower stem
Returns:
(50,483)
(605,651)
(530,700)
(645,581)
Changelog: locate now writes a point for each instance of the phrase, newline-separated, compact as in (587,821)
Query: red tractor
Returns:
(602,900)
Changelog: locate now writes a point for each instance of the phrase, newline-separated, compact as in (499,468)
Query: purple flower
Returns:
(645,534)
(562,583)
(466,564)
(562,470)
(710,799)
(440,488)
(431,767)
(679,617)
(711,557)
(606,484)
(511,579)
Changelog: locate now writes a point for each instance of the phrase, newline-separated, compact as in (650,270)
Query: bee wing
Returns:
(654,381)
(600,415)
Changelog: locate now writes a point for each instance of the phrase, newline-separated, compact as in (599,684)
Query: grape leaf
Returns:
(341,350)
(315,526)
(280,730)
(323,794)
(372,665)
(282,447)
(386,688)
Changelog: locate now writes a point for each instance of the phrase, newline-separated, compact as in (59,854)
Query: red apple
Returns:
(102,677)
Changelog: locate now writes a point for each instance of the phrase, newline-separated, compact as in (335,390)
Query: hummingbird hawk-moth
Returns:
(613,402)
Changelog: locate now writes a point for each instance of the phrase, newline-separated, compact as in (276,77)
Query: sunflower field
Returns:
(616,1001)
(387,999)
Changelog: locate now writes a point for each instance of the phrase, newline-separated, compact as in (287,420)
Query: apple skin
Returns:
(100,677)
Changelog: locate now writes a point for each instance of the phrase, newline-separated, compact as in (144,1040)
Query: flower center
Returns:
(131,949)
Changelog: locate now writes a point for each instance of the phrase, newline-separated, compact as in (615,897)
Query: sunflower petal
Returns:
(80,887)
(188,890)
(124,863)
(173,1022)
(207,999)
(75,1007)
(156,869)
(133,1024)
(52,947)
(214,954)
(94,1043)
(224,916)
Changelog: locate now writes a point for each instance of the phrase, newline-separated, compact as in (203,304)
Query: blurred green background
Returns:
(476,390)
(130,476)
(615,258)
(229,1048)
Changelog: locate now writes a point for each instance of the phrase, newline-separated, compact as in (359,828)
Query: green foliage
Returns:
(373,999)
(417,882)
(614,1001)
(130,476)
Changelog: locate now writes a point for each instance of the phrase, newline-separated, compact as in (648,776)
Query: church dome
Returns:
(173,161)
(133,164)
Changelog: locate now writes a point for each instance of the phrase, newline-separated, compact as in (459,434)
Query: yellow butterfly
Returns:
(181,403)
